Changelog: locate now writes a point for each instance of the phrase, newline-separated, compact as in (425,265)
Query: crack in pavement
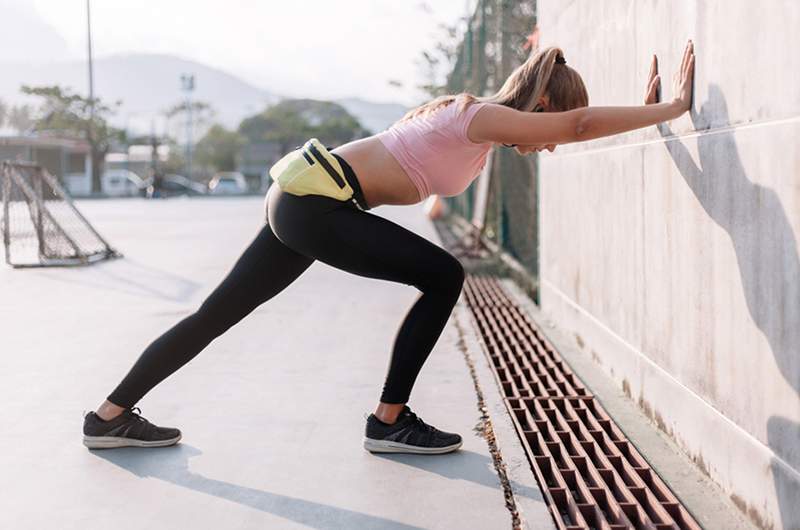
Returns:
(484,429)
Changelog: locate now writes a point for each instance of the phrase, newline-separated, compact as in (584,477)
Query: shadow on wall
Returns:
(767,255)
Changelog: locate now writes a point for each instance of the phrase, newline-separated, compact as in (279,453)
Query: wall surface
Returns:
(671,253)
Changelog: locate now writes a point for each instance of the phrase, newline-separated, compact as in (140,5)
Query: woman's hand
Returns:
(652,93)
(682,80)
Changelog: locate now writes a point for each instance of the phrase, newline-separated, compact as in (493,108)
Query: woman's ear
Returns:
(544,101)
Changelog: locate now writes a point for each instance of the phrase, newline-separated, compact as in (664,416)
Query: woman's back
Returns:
(435,151)
(413,159)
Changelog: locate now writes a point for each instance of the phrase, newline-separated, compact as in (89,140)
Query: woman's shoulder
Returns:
(467,111)
(467,116)
(461,107)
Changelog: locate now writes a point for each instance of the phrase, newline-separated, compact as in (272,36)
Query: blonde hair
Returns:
(540,74)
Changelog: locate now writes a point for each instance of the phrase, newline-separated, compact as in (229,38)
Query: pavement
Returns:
(272,414)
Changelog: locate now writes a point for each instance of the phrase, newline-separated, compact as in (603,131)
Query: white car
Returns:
(78,184)
(122,183)
(228,183)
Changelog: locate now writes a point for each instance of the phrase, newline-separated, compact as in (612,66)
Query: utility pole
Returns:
(154,143)
(187,85)
(90,133)
(154,189)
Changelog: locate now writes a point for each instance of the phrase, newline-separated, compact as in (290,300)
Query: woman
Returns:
(437,148)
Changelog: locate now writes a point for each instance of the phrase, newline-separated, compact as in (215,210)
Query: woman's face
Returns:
(526,149)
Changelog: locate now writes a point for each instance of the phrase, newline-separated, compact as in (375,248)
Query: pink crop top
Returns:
(435,152)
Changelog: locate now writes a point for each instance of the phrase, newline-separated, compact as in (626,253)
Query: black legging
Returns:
(299,230)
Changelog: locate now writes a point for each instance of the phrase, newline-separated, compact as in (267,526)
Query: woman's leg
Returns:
(368,245)
(265,268)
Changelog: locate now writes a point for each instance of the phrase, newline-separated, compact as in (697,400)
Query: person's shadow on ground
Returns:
(171,464)
(465,465)
(767,255)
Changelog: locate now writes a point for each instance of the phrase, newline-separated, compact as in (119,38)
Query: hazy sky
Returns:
(313,48)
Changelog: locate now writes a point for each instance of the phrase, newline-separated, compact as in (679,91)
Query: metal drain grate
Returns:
(590,474)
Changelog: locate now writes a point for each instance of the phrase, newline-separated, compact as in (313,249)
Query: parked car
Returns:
(78,184)
(122,183)
(228,183)
(177,186)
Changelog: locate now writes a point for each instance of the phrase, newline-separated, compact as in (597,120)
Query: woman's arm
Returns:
(597,122)
(500,124)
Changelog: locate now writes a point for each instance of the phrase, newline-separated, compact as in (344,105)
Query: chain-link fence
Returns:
(498,38)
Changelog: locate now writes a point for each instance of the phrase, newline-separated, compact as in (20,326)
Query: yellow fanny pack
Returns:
(311,170)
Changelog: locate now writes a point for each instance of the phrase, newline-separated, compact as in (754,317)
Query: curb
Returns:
(524,499)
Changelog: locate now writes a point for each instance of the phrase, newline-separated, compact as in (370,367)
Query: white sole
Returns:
(111,442)
(384,446)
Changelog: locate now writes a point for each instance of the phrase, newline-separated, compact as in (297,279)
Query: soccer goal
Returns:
(40,224)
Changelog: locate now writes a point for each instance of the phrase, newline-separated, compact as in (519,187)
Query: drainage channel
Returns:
(591,475)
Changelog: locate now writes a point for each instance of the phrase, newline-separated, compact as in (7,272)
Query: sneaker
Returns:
(128,429)
(409,434)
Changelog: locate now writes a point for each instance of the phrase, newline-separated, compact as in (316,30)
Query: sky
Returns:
(322,49)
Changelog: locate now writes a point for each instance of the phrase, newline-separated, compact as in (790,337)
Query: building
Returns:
(254,160)
(67,159)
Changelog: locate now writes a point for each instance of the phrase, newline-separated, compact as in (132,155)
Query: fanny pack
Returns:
(312,170)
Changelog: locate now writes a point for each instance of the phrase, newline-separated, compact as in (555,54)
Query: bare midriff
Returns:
(382,179)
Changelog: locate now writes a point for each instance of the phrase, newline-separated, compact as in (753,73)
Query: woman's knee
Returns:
(449,277)
(458,275)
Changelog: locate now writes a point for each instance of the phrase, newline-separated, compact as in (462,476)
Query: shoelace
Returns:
(414,419)
(429,428)
(425,427)
(134,414)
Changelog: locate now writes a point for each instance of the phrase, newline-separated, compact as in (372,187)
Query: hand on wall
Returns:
(652,93)
(681,81)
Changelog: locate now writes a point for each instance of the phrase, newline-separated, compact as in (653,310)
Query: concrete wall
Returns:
(671,253)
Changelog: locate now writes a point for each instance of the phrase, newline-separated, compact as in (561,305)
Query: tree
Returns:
(3,112)
(65,112)
(293,121)
(219,147)
(202,113)
(497,36)
(439,62)
(20,118)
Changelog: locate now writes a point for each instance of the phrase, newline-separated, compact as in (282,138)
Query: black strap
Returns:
(325,164)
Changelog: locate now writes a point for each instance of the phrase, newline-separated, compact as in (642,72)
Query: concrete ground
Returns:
(272,413)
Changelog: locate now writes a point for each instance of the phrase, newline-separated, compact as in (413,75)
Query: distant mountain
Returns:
(26,36)
(148,84)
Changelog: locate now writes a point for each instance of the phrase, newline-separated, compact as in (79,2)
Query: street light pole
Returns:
(95,182)
(89,44)
(187,84)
